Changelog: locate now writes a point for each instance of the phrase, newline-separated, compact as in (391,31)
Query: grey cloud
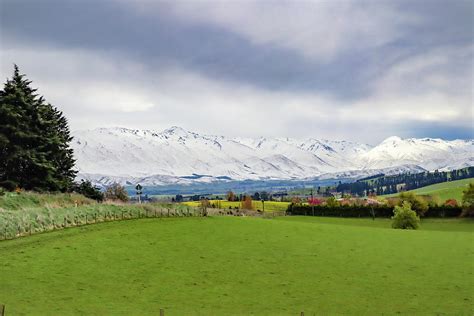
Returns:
(131,55)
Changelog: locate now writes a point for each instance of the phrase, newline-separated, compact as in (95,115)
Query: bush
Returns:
(116,192)
(468,201)
(419,205)
(404,217)
(88,190)
(451,202)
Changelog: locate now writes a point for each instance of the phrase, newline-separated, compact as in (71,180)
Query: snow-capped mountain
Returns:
(178,156)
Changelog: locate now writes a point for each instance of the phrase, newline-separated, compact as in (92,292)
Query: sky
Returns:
(352,70)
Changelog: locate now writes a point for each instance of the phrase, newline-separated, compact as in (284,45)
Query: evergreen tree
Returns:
(34,140)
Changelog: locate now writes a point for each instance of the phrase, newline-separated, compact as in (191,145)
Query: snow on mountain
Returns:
(428,153)
(180,157)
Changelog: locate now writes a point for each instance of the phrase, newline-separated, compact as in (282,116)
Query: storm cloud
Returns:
(359,70)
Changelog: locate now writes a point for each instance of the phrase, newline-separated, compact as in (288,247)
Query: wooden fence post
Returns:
(162,312)
(302,313)
(2,310)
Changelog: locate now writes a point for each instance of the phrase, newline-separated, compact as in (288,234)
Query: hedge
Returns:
(366,211)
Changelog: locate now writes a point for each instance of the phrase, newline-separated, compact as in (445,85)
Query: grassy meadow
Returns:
(242,266)
(443,191)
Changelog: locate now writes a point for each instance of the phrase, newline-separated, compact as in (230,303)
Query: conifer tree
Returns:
(34,140)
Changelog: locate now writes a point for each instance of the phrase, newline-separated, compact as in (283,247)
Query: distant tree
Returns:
(314,201)
(332,202)
(404,217)
(116,192)
(247,203)
(468,200)
(296,200)
(418,204)
(178,198)
(451,202)
(230,196)
(256,196)
(88,190)
(265,196)
(204,205)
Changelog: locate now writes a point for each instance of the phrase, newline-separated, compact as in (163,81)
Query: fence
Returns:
(29,223)
(162,311)
(243,212)
(19,227)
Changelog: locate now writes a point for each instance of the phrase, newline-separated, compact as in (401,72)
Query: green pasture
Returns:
(242,266)
(443,191)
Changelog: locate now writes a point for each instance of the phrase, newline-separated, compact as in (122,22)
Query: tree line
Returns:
(402,182)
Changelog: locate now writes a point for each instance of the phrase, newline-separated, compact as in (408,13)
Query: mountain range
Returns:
(178,156)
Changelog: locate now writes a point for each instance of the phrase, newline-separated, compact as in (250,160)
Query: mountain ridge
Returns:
(175,155)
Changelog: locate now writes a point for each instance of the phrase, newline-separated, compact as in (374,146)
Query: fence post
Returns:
(302,313)
(95,217)
(168,212)
(65,222)
(87,222)
(2,310)
(162,312)
(122,215)
(5,232)
(30,229)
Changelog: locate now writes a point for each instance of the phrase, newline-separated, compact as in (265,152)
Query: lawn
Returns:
(444,191)
(241,266)
(270,206)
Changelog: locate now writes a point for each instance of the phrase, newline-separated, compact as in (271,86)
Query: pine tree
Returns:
(34,140)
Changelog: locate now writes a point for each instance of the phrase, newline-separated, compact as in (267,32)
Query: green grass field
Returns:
(242,266)
(270,206)
(443,191)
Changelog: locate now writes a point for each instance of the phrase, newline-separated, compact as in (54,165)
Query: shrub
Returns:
(88,190)
(451,202)
(314,201)
(116,192)
(468,201)
(404,217)
(418,204)
(332,202)
(247,203)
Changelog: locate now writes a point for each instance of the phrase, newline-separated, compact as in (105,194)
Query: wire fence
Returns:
(19,223)
(162,311)
(15,224)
